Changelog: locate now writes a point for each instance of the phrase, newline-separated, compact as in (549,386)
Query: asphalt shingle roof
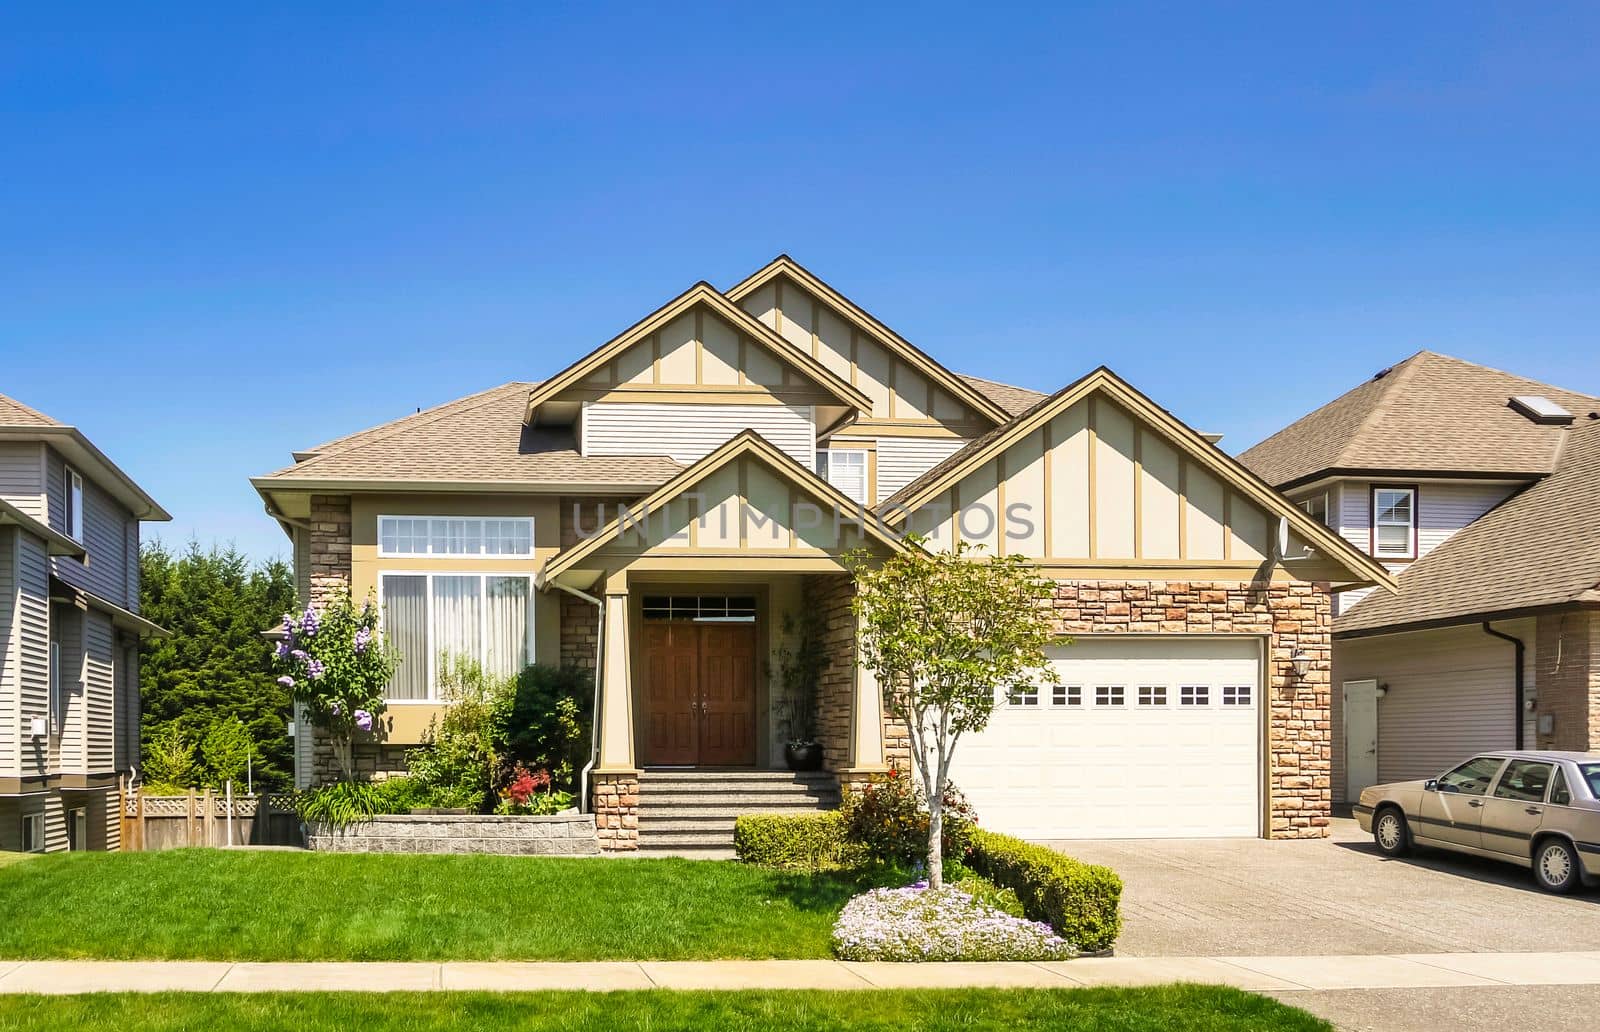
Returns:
(15,413)
(1429,414)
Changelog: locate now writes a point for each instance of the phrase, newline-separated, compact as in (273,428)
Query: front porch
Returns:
(698,591)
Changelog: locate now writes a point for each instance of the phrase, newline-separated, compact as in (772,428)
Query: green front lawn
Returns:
(1169,1008)
(214,905)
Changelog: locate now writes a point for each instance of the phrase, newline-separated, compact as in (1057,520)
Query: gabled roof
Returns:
(1431,414)
(747,443)
(899,506)
(1536,550)
(15,413)
(22,422)
(863,320)
(422,416)
(474,442)
(701,293)
(1014,400)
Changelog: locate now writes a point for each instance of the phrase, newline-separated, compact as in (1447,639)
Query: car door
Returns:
(1515,807)
(1451,811)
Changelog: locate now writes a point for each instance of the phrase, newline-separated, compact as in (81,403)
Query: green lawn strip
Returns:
(214,905)
(1183,1008)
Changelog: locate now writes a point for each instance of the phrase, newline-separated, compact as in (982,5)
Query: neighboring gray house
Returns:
(1480,489)
(69,634)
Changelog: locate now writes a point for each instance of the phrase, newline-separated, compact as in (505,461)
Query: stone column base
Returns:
(616,809)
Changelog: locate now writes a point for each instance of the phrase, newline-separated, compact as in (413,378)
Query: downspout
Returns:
(599,657)
(1521,649)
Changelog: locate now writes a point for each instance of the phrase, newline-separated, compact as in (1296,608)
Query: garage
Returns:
(1142,737)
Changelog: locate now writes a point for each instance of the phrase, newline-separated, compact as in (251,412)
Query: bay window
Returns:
(432,619)
(1394,522)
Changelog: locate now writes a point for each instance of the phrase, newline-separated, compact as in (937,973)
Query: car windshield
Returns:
(1591,774)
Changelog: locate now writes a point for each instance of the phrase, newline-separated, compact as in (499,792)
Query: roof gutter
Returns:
(1519,677)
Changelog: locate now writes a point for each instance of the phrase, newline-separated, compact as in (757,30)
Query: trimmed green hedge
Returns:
(802,841)
(1080,901)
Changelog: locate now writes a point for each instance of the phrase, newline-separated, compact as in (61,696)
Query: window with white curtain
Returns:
(846,470)
(411,536)
(435,619)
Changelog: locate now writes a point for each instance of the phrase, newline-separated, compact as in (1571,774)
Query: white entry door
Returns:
(1360,737)
(1144,737)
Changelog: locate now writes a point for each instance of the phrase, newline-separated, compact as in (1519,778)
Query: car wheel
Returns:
(1389,831)
(1555,866)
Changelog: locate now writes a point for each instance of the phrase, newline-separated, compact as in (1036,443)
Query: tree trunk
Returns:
(935,843)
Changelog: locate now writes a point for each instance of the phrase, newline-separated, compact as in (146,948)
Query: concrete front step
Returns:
(692,812)
(780,776)
(733,803)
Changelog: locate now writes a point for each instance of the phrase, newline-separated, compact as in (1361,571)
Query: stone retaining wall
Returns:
(559,835)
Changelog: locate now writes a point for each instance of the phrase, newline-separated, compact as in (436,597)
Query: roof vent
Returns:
(1385,371)
(1541,409)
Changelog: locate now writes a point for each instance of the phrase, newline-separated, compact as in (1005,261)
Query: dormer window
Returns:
(1394,522)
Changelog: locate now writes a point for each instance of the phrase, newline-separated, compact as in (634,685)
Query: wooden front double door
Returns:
(700,693)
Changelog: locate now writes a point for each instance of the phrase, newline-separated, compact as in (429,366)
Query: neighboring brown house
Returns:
(1480,489)
(69,634)
(669,502)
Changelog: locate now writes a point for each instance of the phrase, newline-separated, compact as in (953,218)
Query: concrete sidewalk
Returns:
(1290,974)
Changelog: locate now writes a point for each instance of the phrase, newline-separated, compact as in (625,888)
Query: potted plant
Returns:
(800,670)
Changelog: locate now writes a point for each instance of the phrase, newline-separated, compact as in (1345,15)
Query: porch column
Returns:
(616,692)
(866,727)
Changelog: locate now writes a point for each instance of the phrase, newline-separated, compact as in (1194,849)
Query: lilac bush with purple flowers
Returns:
(338,669)
(923,924)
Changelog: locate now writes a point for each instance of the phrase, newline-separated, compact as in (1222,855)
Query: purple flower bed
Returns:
(913,924)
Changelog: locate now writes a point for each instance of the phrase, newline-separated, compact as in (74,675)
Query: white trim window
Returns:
(1316,506)
(459,537)
(1394,522)
(74,513)
(846,469)
(33,833)
(434,618)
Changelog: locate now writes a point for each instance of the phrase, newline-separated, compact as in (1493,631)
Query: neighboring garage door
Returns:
(1144,737)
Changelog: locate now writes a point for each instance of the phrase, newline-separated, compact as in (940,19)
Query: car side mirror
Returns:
(1431,785)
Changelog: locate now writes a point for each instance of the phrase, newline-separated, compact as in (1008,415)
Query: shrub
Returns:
(459,755)
(545,723)
(887,818)
(988,893)
(915,924)
(804,841)
(1080,901)
(169,762)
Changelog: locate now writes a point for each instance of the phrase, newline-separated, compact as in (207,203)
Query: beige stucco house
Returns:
(1479,489)
(657,509)
(69,634)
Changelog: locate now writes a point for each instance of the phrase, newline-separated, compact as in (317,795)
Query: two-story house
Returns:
(661,509)
(1480,489)
(69,634)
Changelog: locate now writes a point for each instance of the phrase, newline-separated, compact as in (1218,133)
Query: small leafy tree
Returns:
(169,761)
(338,668)
(226,749)
(946,633)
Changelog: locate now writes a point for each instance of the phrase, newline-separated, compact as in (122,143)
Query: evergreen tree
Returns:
(216,668)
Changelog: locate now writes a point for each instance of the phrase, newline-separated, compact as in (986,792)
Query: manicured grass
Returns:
(1169,1008)
(215,905)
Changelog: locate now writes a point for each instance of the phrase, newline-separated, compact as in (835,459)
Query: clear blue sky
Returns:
(228,232)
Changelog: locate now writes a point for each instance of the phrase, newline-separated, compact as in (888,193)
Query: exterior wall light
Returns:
(1302,666)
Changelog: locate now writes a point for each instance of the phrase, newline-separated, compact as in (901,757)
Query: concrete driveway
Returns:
(1250,897)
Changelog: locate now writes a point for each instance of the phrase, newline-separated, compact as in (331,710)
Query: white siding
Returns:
(22,476)
(1451,693)
(10,728)
(686,433)
(33,644)
(903,459)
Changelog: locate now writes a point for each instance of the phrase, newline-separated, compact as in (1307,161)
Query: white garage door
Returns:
(1142,738)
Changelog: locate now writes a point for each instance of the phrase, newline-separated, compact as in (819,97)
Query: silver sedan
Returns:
(1540,810)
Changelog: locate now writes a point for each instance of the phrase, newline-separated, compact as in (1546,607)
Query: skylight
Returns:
(1540,409)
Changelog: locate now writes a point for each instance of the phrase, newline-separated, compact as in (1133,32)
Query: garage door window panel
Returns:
(1024,697)
(1067,695)
(1236,694)
(1195,695)
(1152,695)
(1110,695)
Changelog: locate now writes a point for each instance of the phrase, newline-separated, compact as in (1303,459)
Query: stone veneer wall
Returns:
(830,595)
(1567,675)
(1295,616)
(616,810)
(558,835)
(580,623)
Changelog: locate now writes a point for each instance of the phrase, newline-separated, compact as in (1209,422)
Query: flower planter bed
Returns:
(567,834)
